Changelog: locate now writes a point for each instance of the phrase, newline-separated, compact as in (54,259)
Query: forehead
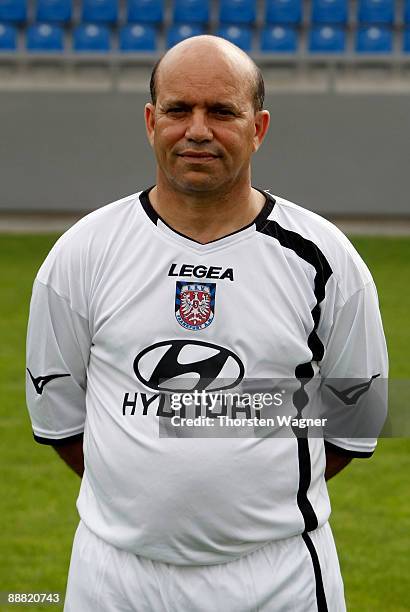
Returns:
(204,80)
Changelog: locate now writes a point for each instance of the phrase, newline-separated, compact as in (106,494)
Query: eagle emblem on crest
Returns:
(195,304)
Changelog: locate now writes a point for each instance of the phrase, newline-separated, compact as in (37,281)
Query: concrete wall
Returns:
(336,154)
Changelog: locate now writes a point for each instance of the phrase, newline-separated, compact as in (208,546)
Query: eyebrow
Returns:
(210,106)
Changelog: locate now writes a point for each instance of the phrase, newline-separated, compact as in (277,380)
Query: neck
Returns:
(206,217)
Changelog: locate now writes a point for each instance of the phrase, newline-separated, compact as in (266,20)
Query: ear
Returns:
(149,114)
(262,120)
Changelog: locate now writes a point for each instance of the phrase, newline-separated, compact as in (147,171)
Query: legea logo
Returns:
(180,366)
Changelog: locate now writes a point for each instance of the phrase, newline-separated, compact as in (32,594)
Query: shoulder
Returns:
(326,242)
(102,222)
(90,237)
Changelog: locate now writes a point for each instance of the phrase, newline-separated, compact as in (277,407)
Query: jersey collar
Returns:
(257,224)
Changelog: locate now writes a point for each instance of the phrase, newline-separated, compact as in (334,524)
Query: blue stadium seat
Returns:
(138,37)
(100,11)
(376,11)
(330,11)
(406,12)
(279,39)
(145,11)
(180,32)
(91,38)
(237,11)
(239,36)
(374,39)
(8,37)
(42,37)
(283,11)
(13,10)
(327,39)
(406,40)
(58,11)
(191,11)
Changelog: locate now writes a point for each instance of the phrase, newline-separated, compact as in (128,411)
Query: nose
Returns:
(198,129)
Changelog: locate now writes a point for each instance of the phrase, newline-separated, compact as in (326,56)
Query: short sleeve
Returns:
(58,348)
(354,374)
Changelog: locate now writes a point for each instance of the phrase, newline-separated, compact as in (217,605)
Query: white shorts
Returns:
(299,574)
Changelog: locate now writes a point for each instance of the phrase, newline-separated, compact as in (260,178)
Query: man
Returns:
(201,277)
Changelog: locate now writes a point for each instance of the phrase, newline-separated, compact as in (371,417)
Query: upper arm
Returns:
(58,349)
(354,372)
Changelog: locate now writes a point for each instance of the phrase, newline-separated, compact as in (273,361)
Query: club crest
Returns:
(195,304)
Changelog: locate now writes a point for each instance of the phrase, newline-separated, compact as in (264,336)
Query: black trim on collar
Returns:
(262,217)
(259,221)
(147,206)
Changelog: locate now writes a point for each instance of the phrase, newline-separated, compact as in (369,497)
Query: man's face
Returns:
(203,127)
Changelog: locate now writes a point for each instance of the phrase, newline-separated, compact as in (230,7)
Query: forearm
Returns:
(72,454)
(335,463)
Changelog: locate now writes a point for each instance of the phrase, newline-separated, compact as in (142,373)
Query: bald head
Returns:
(217,50)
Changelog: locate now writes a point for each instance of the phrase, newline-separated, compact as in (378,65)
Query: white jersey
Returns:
(123,303)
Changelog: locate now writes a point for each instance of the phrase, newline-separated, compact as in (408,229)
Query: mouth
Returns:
(196,156)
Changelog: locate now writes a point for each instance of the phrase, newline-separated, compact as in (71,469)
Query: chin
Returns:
(196,186)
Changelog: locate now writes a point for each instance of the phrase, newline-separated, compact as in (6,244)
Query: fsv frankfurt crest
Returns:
(195,304)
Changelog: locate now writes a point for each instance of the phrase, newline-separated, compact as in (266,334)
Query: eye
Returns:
(223,112)
(176,110)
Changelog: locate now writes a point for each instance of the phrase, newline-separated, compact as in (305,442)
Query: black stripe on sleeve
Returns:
(305,473)
(320,591)
(310,252)
(58,441)
(344,452)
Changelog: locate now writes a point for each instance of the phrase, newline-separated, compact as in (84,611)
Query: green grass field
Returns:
(370,519)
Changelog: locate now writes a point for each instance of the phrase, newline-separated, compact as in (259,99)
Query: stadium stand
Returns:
(100,11)
(406,12)
(283,12)
(41,37)
(91,37)
(145,11)
(329,11)
(8,37)
(13,10)
(327,39)
(177,33)
(237,11)
(374,39)
(406,40)
(279,39)
(53,11)
(241,36)
(191,11)
(305,29)
(136,37)
(376,11)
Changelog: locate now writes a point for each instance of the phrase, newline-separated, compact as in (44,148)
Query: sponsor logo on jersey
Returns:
(41,381)
(351,395)
(191,271)
(171,364)
(195,304)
